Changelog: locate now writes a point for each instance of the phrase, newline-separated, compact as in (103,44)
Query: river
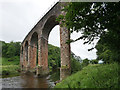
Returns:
(29,80)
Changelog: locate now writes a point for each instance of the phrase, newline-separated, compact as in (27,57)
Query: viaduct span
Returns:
(34,48)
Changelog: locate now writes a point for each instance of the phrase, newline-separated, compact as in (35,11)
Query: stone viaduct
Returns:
(34,48)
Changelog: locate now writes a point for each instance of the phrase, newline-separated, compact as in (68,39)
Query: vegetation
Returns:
(95,21)
(10,70)
(106,54)
(11,49)
(54,59)
(93,76)
(10,59)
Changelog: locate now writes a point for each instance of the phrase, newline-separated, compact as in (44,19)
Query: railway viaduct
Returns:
(34,48)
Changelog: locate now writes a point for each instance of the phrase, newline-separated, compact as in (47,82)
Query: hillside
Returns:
(93,76)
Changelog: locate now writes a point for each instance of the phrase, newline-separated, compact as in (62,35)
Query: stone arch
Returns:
(49,25)
(34,50)
(34,39)
(44,26)
(21,57)
(26,50)
(22,50)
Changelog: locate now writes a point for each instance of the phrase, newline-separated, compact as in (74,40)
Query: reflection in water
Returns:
(28,80)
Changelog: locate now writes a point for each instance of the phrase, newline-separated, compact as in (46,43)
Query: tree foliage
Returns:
(10,49)
(94,61)
(105,54)
(55,62)
(98,20)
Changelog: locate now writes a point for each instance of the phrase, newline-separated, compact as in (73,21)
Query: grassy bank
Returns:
(9,67)
(93,76)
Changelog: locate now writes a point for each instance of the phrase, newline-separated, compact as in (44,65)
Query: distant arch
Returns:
(22,50)
(34,49)
(34,39)
(26,50)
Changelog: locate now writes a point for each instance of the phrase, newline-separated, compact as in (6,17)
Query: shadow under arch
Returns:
(21,56)
(34,50)
(26,50)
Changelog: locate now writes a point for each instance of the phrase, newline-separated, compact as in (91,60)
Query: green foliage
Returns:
(11,56)
(4,49)
(94,61)
(55,75)
(10,49)
(53,56)
(11,61)
(10,66)
(93,76)
(54,60)
(95,20)
(75,65)
(85,62)
(105,53)
(10,70)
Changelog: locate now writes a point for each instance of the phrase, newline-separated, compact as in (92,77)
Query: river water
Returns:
(27,80)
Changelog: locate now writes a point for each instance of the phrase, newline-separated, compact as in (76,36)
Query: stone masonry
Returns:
(34,48)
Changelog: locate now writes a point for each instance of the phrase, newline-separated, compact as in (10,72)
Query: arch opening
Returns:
(21,57)
(22,50)
(49,26)
(53,48)
(26,50)
(34,49)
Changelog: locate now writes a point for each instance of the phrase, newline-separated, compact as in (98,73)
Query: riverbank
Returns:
(93,76)
(10,70)
(10,67)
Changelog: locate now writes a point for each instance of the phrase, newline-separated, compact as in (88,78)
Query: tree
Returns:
(94,61)
(94,21)
(85,62)
(4,48)
(11,50)
(104,53)
(17,47)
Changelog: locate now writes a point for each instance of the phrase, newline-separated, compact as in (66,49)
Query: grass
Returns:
(9,67)
(93,76)
(10,61)
(9,70)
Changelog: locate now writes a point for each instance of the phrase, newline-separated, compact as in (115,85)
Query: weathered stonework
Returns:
(34,48)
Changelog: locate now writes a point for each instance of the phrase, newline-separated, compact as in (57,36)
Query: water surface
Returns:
(28,80)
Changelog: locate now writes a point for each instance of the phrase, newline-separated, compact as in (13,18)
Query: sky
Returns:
(18,17)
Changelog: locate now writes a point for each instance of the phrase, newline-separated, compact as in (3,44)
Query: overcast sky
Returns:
(17,17)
